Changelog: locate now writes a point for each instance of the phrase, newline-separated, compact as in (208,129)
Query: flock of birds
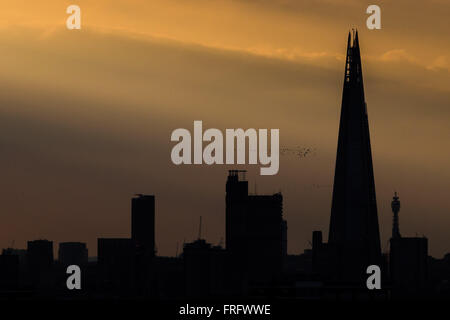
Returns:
(301,152)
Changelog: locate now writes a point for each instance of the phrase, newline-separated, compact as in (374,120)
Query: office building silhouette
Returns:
(143,237)
(409,264)
(143,223)
(72,253)
(9,271)
(255,262)
(40,263)
(116,263)
(254,228)
(205,268)
(408,258)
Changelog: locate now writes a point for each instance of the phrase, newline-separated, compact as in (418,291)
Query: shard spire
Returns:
(354,231)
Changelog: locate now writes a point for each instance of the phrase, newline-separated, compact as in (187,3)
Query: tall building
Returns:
(73,253)
(143,224)
(40,254)
(143,237)
(21,254)
(354,229)
(408,259)
(9,271)
(395,205)
(40,263)
(204,269)
(254,232)
(116,265)
(236,203)
(409,264)
(264,228)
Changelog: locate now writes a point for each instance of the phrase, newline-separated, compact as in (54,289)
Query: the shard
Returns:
(354,232)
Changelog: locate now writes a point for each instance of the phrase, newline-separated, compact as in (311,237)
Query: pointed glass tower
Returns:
(354,229)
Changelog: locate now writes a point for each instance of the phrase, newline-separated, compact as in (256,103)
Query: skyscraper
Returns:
(395,205)
(354,229)
(40,263)
(254,231)
(116,265)
(73,253)
(143,238)
(143,224)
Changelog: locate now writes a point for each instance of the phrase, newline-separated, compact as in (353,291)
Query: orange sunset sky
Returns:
(86,115)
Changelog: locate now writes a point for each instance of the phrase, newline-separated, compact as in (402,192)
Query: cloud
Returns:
(398,55)
(86,117)
(440,63)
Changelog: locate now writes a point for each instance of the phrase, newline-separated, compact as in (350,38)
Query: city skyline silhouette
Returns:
(95,155)
(86,114)
(254,261)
